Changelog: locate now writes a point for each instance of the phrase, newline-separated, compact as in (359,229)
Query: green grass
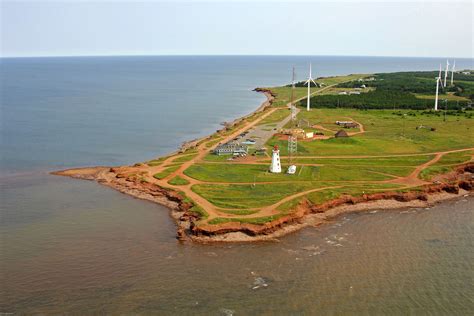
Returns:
(339,79)
(455,158)
(156,162)
(238,173)
(190,151)
(163,174)
(255,220)
(326,195)
(387,132)
(335,91)
(184,158)
(213,142)
(199,211)
(195,208)
(240,212)
(447,163)
(178,181)
(244,196)
(283,94)
(385,161)
(395,171)
(216,158)
(431,171)
(447,96)
(275,117)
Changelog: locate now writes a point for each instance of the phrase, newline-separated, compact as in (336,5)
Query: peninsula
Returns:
(368,141)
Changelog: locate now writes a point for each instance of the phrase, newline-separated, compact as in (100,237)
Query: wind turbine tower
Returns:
(452,72)
(308,82)
(446,73)
(292,104)
(438,83)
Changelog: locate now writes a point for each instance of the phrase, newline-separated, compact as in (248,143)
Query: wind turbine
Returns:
(446,73)
(452,72)
(438,83)
(310,79)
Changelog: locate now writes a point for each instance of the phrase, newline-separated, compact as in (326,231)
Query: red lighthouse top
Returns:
(275,148)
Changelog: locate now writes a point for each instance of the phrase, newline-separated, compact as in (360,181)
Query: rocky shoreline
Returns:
(455,184)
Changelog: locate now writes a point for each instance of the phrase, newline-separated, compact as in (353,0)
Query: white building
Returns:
(291,169)
(275,167)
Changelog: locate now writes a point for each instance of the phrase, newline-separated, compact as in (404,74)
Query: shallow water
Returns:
(107,252)
(72,246)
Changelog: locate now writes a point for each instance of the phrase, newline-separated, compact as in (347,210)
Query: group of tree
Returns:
(381,99)
(397,91)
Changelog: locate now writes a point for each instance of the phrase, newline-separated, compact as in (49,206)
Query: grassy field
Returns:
(283,94)
(387,161)
(184,158)
(447,96)
(276,116)
(387,132)
(336,91)
(238,196)
(446,164)
(178,181)
(326,195)
(252,220)
(250,173)
(166,172)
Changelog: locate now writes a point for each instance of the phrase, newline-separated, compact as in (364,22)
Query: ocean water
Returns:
(76,247)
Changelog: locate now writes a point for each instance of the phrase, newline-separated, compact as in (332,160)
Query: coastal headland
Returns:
(394,152)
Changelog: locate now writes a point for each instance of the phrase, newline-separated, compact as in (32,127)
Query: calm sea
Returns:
(75,247)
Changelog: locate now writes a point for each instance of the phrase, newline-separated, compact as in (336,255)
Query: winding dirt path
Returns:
(202,150)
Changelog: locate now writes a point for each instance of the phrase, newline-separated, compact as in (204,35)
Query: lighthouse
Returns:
(275,167)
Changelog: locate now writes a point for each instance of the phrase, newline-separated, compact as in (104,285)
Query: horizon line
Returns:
(228,55)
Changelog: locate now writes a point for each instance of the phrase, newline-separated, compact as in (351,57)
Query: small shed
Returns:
(303,123)
(341,133)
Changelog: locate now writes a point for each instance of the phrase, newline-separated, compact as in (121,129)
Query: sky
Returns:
(341,27)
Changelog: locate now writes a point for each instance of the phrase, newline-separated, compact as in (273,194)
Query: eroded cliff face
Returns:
(129,180)
(453,183)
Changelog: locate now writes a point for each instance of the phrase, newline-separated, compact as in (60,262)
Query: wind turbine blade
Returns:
(314,82)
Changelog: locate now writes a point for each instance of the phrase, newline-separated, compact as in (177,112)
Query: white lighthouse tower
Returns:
(275,167)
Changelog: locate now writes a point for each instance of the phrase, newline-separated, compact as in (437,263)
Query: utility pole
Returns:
(292,138)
